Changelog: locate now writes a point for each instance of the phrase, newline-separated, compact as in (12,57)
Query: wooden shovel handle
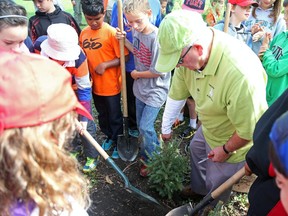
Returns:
(88,136)
(227,17)
(228,183)
(122,60)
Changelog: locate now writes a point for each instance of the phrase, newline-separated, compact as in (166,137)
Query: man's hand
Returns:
(218,155)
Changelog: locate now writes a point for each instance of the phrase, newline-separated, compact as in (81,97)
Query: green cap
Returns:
(177,30)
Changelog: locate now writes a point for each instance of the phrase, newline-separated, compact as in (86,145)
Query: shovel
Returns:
(127,146)
(188,209)
(227,17)
(130,188)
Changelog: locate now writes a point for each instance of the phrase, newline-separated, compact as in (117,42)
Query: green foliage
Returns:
(240,200)
(167,170)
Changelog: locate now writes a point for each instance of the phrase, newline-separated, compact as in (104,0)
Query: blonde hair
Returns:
(135,6)
(35,167)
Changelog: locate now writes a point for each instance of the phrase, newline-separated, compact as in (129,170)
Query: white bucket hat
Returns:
(61,43)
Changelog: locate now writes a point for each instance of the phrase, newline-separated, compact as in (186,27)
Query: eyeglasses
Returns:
(181,60)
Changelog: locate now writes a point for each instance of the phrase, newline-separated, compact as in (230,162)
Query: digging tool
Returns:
(127,146)
(130,188)
(227,17)
(188,209)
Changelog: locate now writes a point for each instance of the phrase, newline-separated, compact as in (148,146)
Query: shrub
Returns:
(167,169)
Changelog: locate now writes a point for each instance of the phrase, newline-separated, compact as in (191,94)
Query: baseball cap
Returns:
(61,43)
(243,3)
(34,90)
(279,138)
(177,30)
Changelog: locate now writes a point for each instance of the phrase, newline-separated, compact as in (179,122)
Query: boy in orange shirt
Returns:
(102,50)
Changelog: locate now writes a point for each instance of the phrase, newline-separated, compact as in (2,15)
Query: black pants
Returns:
(132,123)
(109,115)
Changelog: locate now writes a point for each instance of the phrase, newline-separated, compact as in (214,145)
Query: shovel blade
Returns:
(184,210)
(127,147)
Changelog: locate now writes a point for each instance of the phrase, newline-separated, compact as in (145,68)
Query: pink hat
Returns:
(244,3)
(34,90)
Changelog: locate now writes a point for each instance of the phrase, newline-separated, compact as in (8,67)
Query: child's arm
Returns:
(143,74)
(265,45)
(120,35)
(100,69)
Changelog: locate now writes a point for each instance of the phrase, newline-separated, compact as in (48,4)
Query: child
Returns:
(163,7)
(150,87)
(265,18)
(102,50)
(48,14)
(240,12)
(274,57)
(214,13)
(278,156)
(264,192)
(37,175)
(285,5)
(61,46)
(155,19)
(77,11)
(13,27)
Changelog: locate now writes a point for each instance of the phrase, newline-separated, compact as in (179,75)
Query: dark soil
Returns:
(109,196)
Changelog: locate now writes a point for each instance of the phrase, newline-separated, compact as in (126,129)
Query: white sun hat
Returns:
(61,43)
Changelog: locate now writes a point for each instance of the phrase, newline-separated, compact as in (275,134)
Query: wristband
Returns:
(225,150)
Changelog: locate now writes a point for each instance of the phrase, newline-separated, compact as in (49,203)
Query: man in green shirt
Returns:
(227,82)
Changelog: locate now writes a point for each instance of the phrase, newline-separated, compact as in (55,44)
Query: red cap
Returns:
(34,90)
(243,3)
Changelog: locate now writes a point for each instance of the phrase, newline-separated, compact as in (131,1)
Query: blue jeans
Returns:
(146,116)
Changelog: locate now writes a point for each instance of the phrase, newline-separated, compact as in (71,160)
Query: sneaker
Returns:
(188,133)
(107,144)
(143,171)
(90,164)
(177,124)
(75,154)
(134,133)
(115,154)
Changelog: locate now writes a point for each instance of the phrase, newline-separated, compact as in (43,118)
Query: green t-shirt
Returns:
(229,93)
(276,66)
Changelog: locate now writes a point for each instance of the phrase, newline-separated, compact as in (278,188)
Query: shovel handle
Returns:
(88,136)
(227,17)
(122,60)
(228,183)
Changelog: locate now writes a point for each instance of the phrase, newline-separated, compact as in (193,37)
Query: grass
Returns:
(29,6)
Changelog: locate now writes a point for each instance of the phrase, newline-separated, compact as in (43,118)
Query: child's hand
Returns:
(256,28)
(265,44)
(134,74)
(100,69)
(120,35)
(259,34)
(267,38)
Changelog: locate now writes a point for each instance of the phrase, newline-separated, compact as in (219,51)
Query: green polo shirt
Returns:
(229,93)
